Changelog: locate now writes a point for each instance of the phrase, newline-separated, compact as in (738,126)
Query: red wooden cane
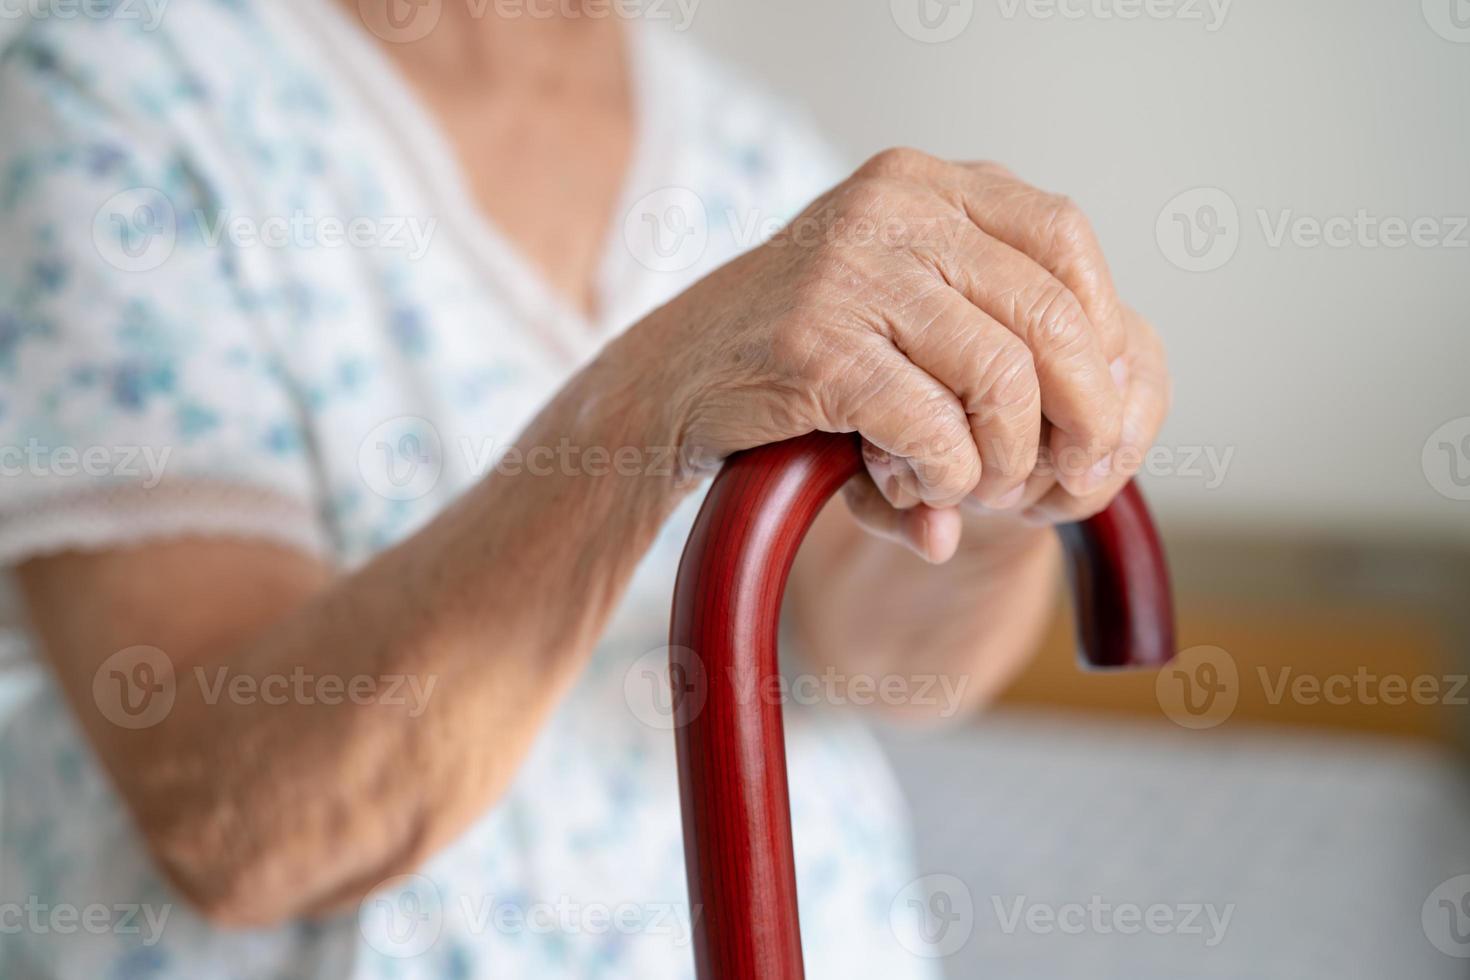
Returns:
(732,756)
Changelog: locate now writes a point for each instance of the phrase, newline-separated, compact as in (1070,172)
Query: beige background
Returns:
(1324,370)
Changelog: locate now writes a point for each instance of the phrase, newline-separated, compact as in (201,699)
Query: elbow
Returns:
(241,878)
(229,877)
(226,890)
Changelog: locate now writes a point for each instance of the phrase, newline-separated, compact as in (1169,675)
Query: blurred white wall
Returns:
(1324,370)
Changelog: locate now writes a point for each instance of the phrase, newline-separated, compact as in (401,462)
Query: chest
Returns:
(418,360)
(545,166)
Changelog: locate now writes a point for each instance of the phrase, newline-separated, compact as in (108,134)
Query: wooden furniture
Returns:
(1366,622)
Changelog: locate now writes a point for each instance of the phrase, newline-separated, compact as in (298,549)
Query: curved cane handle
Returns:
(731,747)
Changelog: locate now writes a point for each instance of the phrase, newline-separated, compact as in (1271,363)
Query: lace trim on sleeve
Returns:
(98,518)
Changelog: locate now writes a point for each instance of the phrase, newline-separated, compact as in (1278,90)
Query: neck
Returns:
(478,41)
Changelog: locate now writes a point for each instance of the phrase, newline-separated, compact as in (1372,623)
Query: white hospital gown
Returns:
(187,347)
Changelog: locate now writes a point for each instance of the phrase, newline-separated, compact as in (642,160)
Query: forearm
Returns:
(263,811)
(866,606)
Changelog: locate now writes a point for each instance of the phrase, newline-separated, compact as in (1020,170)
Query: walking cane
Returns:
(732,756)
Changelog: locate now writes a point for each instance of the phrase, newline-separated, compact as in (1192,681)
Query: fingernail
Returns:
(926,542)
(908,477)
(1132,437)
(1119,371)
(1010,499)
(919,534)
(1099,472)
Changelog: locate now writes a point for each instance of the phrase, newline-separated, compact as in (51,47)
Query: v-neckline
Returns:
(429,152)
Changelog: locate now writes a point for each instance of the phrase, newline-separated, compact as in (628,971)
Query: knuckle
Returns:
(1010,385)
(945,434)
(993,168)
(865,196)
(1068,226)
(1063,214)
(897,161)
(1057,322)
(844,380)
(934,429)
(943,454)
(941,435)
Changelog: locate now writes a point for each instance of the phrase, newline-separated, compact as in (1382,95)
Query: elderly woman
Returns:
(359,368)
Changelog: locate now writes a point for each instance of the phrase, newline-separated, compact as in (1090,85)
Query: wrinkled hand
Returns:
(964,322)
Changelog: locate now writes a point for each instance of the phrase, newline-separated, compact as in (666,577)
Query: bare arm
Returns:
(260,812)
(949,636)
(942,347)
